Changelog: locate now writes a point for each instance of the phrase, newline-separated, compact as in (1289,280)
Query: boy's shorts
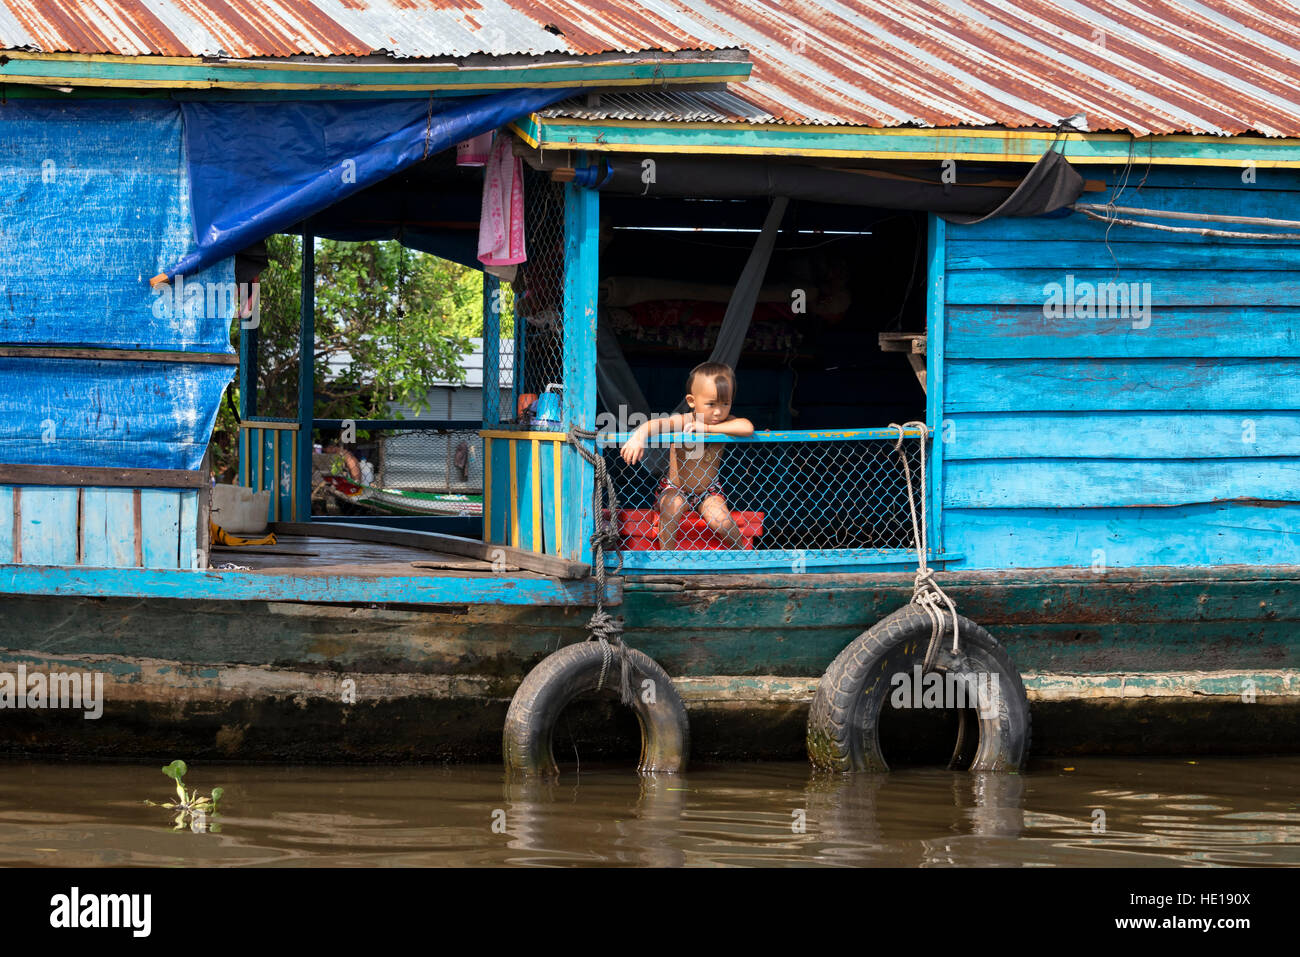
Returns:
(693,499)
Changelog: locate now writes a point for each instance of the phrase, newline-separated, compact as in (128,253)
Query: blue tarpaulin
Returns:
(257,168)
(111,414)
(93,202)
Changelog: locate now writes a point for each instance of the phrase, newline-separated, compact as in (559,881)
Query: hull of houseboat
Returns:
(1129,661)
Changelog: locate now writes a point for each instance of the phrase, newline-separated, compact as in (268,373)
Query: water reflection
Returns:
(1102,812)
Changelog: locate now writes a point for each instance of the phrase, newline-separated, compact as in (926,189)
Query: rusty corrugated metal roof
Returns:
(1147,66)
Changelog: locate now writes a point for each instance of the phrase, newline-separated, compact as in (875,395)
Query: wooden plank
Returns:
(1083,385)
(137,531)
(488,497)
(501,492)
(7,524)
(515,535)
(94,528)
(1109,435)
(434,541)
(160,528)
(555,486)
(581,278)
(534,484)
(1023,331)
(1101,483)
(133,355)
(49,526)
(1228,533)
(16,529)
(1131,258)
(453,588)
(188,530)
(121,528)
(68,475)
(524,435)
(1169,287)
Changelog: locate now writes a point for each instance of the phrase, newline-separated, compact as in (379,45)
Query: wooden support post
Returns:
(306,376)
(936,294)
(491,351)
(581,265)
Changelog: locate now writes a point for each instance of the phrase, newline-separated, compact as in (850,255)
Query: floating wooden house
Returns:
(1065,243)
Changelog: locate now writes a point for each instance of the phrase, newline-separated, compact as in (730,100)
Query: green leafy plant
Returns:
(192,810)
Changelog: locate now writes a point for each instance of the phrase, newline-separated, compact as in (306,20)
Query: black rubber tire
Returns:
(844,721)
(569,672)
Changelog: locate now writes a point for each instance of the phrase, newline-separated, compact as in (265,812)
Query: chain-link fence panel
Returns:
(403,472)
(537,359)
(767,495)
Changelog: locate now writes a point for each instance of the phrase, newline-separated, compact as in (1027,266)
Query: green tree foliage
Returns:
(390,324)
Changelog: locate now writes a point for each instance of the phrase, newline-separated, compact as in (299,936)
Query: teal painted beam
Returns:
(458,81)
(581,265)
(990,146)
(785,560)
(315,588)
(615,439)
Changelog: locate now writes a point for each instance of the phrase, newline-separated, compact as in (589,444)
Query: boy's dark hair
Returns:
(724,379)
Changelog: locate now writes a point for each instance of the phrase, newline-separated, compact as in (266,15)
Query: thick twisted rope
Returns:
(925,590)
(604,627)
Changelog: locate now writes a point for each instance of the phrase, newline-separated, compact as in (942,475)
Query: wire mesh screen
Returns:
(538,357)
(799,494)
(404,472)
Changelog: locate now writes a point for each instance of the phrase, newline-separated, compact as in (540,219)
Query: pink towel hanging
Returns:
(501,223)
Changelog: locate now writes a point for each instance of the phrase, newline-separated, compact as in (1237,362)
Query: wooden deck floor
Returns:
(321,554)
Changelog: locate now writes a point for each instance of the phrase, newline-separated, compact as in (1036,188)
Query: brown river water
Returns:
(1077,812)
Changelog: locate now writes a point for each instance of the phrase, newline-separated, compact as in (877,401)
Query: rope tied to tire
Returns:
(604,627)
(925,590)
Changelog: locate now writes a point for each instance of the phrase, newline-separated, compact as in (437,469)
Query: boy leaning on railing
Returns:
(692,479)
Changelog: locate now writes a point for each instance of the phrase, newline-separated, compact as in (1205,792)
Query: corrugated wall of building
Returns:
(1157,423)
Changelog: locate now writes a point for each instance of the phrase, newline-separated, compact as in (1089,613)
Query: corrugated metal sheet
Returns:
(1148,66)
(689,106)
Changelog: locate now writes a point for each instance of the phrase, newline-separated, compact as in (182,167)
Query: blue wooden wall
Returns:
(1170,438)
(102,527)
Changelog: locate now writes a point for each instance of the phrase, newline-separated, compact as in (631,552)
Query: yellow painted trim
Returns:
(537,494)
(81,81)
(487,490)
(519,130)
(255,424)
(539,436)
(558,485)
(514,499)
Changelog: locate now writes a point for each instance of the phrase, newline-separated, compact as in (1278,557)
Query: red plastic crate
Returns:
(639,528)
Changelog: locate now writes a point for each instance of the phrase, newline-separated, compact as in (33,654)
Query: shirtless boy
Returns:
(692,480)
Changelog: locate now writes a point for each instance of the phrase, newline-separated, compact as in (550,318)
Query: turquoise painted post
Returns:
(581,264)
(306,375)
(247,372)
(491,350)
(934,311)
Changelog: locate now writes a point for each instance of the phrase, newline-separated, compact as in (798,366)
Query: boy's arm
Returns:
(740,428)
(634,448)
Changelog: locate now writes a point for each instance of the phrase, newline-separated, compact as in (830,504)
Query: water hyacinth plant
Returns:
(192,810)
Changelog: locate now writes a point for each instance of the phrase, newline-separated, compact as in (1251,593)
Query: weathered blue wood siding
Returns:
(98,527)
(1164,436)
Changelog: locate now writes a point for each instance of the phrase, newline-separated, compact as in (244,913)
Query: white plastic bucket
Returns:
(240,510)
